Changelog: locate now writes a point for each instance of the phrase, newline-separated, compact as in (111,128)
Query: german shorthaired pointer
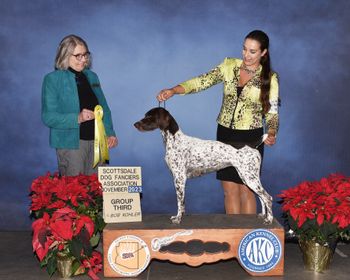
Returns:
(189,157)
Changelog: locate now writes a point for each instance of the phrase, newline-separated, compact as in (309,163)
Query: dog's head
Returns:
(157,118)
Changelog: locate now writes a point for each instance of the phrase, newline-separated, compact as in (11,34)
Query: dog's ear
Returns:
(166,121)
(173,126)
(163,120)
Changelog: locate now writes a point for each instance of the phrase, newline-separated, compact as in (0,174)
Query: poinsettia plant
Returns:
(68,221)
(319,210)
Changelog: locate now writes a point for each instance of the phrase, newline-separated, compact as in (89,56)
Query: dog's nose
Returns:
(137,125)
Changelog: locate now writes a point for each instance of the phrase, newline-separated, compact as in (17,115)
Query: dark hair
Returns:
(265,76)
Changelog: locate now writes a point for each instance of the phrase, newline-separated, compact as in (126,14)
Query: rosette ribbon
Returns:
(100,142)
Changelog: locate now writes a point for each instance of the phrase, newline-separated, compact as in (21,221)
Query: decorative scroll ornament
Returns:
(158,243)
(100,142)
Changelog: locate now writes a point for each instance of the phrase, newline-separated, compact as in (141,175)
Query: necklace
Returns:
(245,68)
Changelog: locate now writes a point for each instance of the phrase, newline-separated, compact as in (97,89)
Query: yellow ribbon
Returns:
(100,142)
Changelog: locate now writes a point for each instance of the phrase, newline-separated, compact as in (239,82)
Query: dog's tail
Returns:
(263,138)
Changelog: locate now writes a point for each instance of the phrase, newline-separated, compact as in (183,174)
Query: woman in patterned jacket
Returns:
(250,101)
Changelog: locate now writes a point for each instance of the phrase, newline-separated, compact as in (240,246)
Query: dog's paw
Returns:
(175,219)
(267,222)
(261,216)
(266,219)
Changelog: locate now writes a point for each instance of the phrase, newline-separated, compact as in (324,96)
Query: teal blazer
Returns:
(60,107)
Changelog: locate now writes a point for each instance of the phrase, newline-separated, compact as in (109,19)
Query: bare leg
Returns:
(232,197)
(239,199)
(247,199)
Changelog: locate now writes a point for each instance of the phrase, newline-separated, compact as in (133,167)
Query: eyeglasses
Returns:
(80,56)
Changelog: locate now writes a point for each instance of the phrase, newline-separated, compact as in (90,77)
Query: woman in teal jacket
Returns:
(69,96)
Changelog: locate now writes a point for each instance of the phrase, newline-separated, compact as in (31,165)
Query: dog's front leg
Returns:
(180,183)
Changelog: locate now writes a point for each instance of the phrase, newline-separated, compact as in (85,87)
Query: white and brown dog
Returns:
(189,157)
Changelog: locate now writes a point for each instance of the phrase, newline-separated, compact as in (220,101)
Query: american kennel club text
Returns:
(260,250)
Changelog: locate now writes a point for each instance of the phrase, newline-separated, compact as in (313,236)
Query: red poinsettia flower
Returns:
(84,221)
(319,209)
(40,200)
(63,207)
(94,264)
(57,205)
(62,223)
(41,236)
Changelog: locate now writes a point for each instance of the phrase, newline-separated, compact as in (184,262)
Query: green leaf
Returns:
(51,266)
(328,230)
(81,209)
(94,240)
(84,238)
(76,264)
(292,224)
(43,262)
(99,224)
(308,225)
(75,247)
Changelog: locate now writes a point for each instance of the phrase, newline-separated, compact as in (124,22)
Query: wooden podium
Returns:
(129,247)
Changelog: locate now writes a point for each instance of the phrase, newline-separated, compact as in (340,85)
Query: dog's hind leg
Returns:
(180,183)
(253,182)
(263,210)
(248,168)
(267,207)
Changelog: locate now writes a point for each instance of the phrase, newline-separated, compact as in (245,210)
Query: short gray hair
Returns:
(65,50)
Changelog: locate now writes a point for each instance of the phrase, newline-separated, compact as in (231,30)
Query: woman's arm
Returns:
(196,84)
(52,113)
(272,117)
(165,94)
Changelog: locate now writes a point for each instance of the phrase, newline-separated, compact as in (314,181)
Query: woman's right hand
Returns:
(85,115)
(165,94)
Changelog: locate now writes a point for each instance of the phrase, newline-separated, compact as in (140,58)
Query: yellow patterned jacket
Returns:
(243,112)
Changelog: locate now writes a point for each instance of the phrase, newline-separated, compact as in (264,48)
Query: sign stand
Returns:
(121,199)
(129,247)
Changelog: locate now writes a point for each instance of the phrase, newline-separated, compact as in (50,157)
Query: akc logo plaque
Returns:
(259,250)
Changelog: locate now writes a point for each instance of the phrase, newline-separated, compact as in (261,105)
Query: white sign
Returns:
(121,199)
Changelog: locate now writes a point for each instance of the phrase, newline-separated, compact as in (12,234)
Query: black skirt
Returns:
(237,138)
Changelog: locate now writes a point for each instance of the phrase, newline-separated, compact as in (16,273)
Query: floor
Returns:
(18,262)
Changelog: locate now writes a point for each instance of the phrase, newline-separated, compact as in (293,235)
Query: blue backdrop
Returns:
(140,47)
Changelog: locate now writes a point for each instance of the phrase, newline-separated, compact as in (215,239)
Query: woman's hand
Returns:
(86,115)
(271,139)
(112,141)
(165,94)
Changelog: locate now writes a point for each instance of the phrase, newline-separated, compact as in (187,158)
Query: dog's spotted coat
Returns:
(189,157)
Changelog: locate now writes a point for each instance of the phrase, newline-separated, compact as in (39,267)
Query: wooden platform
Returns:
(129,247)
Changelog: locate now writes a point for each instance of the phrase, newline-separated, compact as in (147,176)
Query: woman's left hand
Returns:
(270,140)
(112,141)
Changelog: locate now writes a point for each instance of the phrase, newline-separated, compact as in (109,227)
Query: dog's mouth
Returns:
(138,126)
(144,126)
